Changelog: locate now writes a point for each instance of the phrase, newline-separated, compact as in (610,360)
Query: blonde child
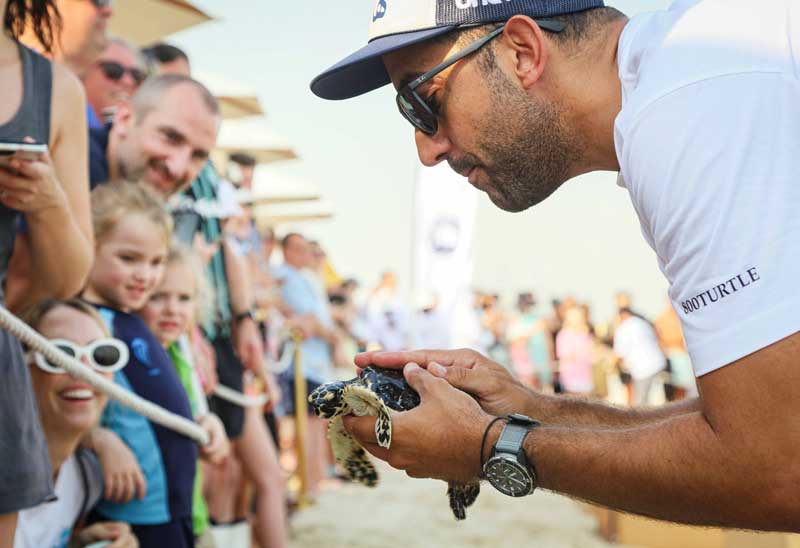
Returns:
(132,236)
(170,313)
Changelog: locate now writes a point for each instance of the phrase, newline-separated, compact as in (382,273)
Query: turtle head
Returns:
(327,400)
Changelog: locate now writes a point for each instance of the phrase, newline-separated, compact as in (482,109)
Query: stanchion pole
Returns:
(300,419)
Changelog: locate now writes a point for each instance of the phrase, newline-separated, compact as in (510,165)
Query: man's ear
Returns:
(123,119)
(526,43)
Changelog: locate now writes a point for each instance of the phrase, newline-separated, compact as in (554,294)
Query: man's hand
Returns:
(121,473)
(218,447)
(441,438)
(117,533)
(249,347)
(496,390)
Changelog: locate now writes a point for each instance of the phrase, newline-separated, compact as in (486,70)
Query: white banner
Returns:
(444,223)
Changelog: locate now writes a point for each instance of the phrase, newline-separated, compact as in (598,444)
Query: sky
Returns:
(584,241)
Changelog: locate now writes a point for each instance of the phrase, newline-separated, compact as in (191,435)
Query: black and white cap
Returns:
(397,24)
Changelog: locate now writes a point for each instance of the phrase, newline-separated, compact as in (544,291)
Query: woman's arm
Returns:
(54,257)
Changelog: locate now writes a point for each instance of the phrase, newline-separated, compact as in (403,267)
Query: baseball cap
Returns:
(397,24)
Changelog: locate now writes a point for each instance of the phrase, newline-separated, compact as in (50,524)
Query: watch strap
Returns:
(511,438)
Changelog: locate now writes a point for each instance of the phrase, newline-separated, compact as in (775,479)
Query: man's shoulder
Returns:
(98,161)
(665,51)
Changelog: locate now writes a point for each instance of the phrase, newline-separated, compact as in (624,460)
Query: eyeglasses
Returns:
(100,4)
(417,111)
(105,355)
(115,71)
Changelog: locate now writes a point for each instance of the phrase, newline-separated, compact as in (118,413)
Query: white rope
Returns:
(285,359)
(151,411)
(237,398)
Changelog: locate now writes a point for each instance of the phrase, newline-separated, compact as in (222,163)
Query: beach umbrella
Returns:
(253,136)
(236,99)
(146,21)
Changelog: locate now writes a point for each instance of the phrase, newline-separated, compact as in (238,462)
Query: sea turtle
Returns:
(374,392)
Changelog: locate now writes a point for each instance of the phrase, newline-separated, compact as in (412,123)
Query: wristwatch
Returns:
(508,469)
(241,316)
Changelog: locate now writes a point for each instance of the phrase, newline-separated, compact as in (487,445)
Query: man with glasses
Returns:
(697,108)
(113,80)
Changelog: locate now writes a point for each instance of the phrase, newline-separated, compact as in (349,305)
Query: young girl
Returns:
(132,234)
(170,314)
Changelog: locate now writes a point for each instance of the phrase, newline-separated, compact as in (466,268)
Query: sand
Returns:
(409,513)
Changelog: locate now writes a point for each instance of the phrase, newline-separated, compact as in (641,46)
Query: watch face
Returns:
(508,476)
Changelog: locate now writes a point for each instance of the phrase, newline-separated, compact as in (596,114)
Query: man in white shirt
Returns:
(698,108)
(636,344)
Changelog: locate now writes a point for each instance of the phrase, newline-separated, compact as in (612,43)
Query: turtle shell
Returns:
(391,387)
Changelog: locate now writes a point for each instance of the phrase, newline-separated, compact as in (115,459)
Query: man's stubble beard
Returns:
(527,144)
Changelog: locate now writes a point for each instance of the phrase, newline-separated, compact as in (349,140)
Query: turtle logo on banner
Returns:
(444,235)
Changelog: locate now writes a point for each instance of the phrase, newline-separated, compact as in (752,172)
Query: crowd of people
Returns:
(129,250)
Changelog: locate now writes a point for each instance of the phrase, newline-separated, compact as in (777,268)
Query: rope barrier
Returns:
(151,411)
(237,398)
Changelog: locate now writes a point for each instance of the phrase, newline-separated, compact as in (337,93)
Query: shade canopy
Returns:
(276,218)
(236,99)
(246,198)
(255,137)
(144,22)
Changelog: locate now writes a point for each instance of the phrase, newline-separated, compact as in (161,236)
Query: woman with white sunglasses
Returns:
(68,409)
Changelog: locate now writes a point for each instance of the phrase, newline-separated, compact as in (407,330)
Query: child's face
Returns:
(128,265)
(170,309)
(66,404)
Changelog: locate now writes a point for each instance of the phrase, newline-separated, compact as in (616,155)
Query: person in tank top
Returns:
(39,102)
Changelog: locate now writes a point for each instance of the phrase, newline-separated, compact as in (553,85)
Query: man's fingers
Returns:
(470,381)
(419,379)
(377,451)
(396,360)
(361,428)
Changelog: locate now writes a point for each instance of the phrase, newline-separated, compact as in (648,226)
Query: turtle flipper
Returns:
(383,428)
(328,400)
(462,496)
(350,455)
(363,402)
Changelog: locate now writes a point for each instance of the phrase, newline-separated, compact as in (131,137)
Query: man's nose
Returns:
(432,149)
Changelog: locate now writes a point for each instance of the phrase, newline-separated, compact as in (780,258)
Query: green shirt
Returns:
(200,518)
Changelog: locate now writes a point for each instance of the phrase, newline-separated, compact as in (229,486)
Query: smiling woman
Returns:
(68,409)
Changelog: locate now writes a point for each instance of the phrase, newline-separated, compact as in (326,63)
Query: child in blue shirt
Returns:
(132,237)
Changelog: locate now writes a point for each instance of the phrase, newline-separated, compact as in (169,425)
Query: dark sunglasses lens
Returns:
(112,70)
(137,75)
(68,350)
(417,113)
(101,3)
(106,355)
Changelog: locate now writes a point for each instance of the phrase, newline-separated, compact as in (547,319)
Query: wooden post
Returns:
(300,420)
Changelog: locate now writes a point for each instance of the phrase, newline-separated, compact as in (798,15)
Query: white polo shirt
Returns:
(708,142)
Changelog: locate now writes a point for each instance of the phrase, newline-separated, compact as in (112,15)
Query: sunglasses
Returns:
(417,111)
(104,355)
(115,71)
(100,4)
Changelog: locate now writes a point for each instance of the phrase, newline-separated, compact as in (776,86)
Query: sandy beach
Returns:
(414,514)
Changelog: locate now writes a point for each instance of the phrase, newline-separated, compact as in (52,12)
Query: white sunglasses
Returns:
(105,355)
